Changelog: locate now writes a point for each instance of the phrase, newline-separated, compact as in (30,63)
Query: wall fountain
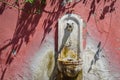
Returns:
(70,44)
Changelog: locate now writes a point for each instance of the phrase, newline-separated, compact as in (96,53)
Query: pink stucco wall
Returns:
(22,34)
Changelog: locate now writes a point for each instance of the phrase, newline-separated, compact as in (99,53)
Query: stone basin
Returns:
(68,64)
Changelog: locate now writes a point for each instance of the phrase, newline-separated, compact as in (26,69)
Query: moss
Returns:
(60,76)
(50,62)
(80,76)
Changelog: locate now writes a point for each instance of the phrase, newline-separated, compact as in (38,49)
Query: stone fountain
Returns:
(70,44)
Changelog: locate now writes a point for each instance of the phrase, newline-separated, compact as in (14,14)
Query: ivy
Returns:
(30,1)
(38,9)
(43,1)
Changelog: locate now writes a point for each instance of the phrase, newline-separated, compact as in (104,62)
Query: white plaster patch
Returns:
(99,69)
(43,62)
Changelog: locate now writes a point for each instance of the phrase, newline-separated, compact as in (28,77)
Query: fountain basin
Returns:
(68,63)
(70,68)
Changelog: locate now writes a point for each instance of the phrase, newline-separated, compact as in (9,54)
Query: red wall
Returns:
(21,33)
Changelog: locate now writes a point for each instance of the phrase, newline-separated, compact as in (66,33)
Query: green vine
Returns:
(38,10)
(30,1)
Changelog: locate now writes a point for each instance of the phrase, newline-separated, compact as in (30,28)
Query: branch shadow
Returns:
(52,2)
(108,9)
(96,56)
(2,7)
(25,28)
(93,7)
(3,73)
(51,18)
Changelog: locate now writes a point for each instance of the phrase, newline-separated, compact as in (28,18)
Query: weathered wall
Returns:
(23,35)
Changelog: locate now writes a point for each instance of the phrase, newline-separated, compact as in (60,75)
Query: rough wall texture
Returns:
(23,35)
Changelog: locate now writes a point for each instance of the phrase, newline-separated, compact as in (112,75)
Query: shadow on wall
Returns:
(4,4)
(106,9)
(26,25)
(27,22)
(52,16)
(2,7)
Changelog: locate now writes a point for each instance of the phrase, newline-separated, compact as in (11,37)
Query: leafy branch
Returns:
(30,1)
(16,3)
